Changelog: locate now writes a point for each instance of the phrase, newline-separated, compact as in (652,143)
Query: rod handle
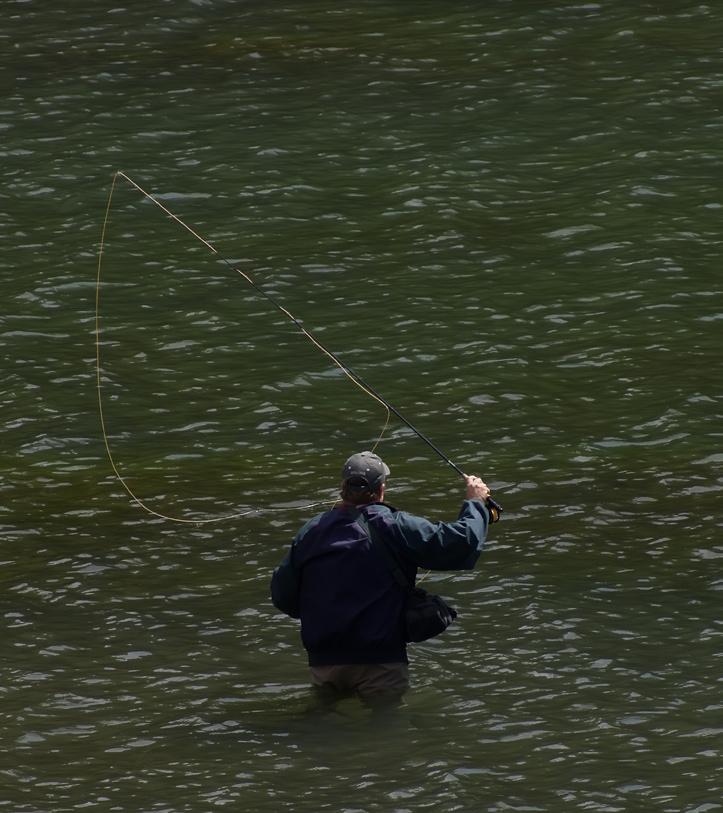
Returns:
(494,508)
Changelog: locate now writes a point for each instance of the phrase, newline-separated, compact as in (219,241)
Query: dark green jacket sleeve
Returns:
(285,587)
(444,545)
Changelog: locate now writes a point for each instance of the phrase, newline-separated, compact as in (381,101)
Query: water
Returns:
(507,218)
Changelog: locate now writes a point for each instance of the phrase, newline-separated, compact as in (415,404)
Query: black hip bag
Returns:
(425,615)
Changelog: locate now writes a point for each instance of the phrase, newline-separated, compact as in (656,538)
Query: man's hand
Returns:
(476,489)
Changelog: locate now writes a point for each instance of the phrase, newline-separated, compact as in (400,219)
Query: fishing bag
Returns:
(426,614)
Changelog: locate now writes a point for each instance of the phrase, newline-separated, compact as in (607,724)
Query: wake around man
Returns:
(338,582)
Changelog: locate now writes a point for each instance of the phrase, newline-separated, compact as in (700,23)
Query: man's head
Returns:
(363,478)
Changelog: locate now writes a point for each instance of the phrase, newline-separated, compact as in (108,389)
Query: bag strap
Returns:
(382,547)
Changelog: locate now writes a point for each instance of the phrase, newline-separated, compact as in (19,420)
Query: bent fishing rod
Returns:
(494,508)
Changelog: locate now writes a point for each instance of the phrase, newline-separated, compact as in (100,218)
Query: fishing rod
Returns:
(494,508)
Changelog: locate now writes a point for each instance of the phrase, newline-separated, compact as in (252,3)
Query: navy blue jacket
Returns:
(339,584)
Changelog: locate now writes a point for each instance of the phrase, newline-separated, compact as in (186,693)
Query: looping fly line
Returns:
(353,377)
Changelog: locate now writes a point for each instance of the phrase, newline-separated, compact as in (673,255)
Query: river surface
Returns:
(507,218)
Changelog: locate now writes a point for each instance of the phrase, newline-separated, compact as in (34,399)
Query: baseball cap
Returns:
(365,470)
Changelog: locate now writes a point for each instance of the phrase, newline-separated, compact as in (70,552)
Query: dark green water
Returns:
(506,216)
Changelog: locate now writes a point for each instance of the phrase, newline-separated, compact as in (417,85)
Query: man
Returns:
(340,585)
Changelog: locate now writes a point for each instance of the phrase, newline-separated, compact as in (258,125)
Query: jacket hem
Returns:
(338,657)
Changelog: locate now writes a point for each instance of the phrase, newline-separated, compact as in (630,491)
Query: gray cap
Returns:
(365,470)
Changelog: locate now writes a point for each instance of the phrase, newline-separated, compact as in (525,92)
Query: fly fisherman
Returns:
(341,586)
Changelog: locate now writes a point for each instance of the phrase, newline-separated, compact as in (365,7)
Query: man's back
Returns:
(349,603)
